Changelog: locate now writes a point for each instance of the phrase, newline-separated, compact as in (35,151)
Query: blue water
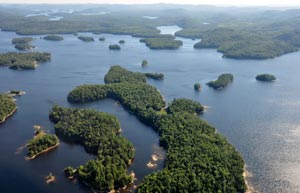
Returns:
(260,119)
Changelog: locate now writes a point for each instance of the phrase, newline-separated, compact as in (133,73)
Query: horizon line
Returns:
(162,3)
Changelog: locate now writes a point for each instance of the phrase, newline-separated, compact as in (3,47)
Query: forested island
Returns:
(211,164)
(20,61)
(155,76)
(24,47)
(265,77)
(86,38)
(222,81)
(22,40)
(23,44)
(99,133)
(114,47)
(41,143)
(53,37)
(122,42)
(197,86)
(7,107)
(144,63)
(162,43)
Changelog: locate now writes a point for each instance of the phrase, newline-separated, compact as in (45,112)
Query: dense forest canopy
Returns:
(182,105)
(198,158)
(99,133)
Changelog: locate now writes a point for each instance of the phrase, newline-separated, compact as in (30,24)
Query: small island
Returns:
(122,42)
(23,61)
(162,43)
(185,105)
(50,178)
(41,143)
(23,44)
(53,37)
(22,40)
(114,47)
(144,63)
(266,77)
(8,107)
(23,65)
(24,47)
(86,38)
(16,93)
(155,76)
(222,81)
(102,39)
(197,86)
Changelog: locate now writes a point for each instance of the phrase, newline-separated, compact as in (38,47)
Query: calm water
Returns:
(261,120)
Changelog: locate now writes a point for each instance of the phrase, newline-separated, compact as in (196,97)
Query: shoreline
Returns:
(111,191)
(42,152)
(8,115)
(246,175)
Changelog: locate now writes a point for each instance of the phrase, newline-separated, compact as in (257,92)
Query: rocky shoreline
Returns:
(8,115)
(247,175)
(42,152)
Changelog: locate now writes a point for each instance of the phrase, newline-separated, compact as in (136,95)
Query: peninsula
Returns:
(7,107)
(186,137)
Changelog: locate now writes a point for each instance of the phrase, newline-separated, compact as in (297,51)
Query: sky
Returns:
(205,2)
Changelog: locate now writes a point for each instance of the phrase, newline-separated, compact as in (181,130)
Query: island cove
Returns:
(186,137)
(99,134)
(240,36)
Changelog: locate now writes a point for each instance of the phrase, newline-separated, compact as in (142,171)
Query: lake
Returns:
(260,119)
